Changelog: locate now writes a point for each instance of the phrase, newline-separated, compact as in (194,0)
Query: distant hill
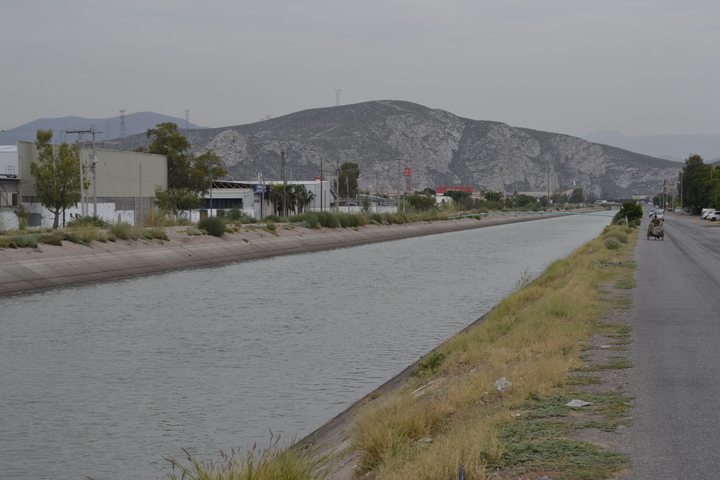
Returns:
(670,147)
(107,127)
(383,137)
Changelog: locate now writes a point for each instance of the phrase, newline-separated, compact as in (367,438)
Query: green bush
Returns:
(155,233)
(83,235)
(327,219)
(272,218)
(271,226)
(309,220)
(23,241)
(631,210)
(213,225)
(87,221)
(429,365)
(123,231)
(54,238)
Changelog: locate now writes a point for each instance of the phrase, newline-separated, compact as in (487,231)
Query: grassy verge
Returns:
(455,410)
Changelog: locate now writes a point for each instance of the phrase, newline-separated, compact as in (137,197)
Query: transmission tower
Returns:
(337,97)
(122,123)
(187,118)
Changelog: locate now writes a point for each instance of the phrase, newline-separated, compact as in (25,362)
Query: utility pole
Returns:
(93,165)
(282,165)
(83,209)
(548,183)
(139,222)
(322,206)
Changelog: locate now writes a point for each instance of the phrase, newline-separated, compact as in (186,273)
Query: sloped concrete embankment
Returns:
(51,267)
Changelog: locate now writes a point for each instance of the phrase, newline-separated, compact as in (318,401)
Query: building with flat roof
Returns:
(122,185)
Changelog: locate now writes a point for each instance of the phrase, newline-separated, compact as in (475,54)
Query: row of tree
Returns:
(699,184)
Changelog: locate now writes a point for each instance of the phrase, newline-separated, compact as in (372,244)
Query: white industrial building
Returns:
(253,198)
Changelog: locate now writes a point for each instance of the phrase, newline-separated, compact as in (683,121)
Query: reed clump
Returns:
(270,463)
(452,411)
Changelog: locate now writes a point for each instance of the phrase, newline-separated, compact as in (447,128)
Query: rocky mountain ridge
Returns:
(384,137)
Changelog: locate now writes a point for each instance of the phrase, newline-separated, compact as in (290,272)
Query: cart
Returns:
(656,231)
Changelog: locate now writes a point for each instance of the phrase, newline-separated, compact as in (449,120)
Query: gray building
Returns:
(122,185)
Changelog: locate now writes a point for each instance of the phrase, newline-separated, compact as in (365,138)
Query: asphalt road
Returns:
(676,353)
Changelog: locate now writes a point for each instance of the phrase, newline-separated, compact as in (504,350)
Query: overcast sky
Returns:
(563,66)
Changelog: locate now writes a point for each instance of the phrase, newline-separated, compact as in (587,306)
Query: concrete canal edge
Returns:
(26,270)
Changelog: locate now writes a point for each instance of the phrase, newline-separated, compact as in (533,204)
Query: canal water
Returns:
(108,380)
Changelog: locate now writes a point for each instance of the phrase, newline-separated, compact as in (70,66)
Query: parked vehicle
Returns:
(713,216)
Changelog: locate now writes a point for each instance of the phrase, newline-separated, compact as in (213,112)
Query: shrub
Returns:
(619,236)
(54,238)
(309,220)
(88,221)
(213,225)
(612,244)
(344,220)
(83,235)
(23,241)
(327,219)
(271,226)
(157,233)
(429,365)
(272,218)
(123,231)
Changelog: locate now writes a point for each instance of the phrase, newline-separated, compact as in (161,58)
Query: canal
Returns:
(108,380)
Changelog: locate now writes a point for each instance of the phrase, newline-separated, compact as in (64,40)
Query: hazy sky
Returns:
(564,66)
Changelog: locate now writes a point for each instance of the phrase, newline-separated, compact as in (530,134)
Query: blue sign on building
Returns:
(257,188)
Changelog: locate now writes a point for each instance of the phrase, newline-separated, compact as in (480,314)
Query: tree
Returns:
(188,174)
(577,196)
(700,184)
(631,210)
(492,196)
(304,197)
(56,174)
(420,202)
(524,201)
(348,179)
(461,199)
(176,200)
(297,197)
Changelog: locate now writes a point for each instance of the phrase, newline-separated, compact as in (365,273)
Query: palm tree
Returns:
(304,198)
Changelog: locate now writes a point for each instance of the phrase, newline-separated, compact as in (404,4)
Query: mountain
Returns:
(670,147)
(106,128)
(384,137)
